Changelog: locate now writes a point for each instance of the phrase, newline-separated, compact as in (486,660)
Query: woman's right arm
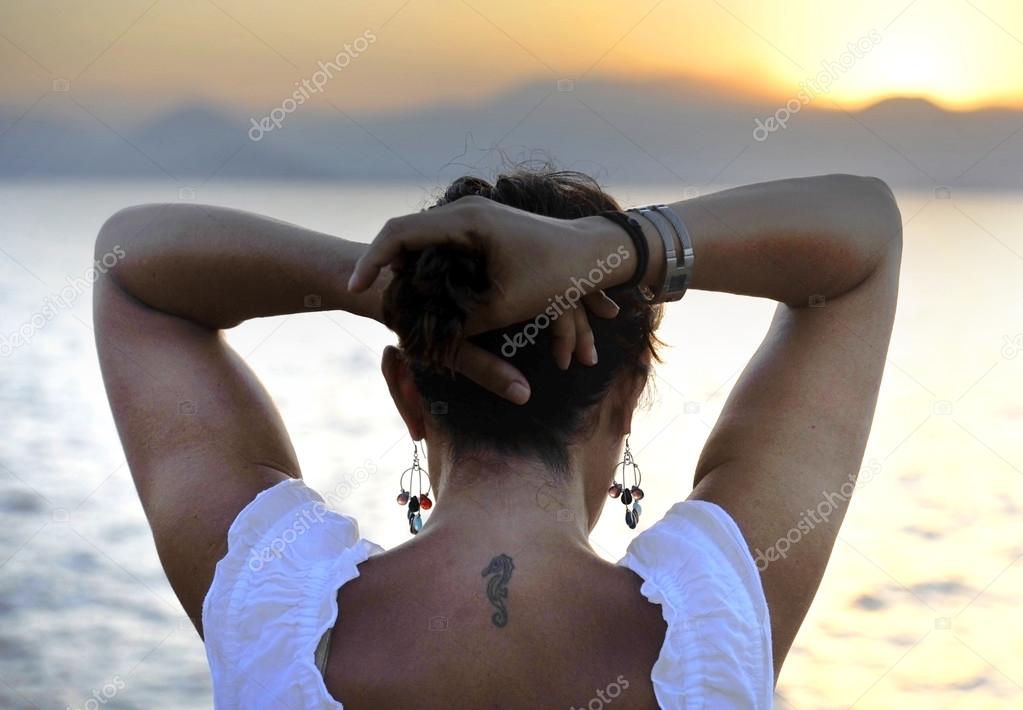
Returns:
(784,454)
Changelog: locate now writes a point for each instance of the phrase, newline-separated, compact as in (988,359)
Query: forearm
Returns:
(791,240)
(788,240)
(218,267)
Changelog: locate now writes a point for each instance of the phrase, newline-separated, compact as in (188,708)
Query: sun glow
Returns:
(958,53)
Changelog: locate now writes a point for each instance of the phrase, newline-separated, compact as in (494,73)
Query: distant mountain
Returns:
(664,129)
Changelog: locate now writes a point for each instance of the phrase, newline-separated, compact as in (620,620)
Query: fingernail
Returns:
(593,355)
(517,393)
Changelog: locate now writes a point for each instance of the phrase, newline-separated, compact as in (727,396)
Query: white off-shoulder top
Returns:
(274,595)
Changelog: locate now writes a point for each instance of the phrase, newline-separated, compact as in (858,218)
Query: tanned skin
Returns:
(419,626)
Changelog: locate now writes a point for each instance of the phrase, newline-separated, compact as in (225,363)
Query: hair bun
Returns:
(468,185)
(430,302)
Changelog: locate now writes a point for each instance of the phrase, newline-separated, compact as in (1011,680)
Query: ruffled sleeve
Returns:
(696,565)
(273,596)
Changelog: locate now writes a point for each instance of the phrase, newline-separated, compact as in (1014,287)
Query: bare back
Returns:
(574,627)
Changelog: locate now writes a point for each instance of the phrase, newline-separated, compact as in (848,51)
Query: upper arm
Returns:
(783,456)
(201,435)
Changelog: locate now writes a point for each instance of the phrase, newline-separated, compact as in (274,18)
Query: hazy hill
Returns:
(673,130)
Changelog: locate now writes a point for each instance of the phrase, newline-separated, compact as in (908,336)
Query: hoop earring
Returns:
(632,495)
(418,502)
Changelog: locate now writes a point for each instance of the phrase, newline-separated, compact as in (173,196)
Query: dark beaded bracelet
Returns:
(635,232)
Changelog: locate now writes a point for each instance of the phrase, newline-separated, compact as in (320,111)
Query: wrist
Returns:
(334,282)
(653,279)
(613,247)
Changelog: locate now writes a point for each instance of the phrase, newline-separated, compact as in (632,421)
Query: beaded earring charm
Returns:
(631,495)
(419,502)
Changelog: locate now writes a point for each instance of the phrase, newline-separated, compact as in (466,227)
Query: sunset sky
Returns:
(958,53)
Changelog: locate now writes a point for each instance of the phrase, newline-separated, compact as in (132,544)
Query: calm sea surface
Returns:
(921,603)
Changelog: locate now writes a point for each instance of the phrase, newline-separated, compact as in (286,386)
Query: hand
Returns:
(532,261)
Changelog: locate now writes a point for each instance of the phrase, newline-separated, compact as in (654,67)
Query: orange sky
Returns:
(959,53)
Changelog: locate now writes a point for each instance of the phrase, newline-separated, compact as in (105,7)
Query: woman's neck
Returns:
(492,502)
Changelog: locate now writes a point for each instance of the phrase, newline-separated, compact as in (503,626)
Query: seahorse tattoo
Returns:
(497,586)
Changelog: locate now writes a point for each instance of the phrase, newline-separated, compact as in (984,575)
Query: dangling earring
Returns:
(417,502)
(632,495)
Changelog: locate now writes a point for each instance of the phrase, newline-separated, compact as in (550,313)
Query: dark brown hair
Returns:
(433,291)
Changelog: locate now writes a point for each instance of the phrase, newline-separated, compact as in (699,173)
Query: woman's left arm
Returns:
(218,267)
(201,435)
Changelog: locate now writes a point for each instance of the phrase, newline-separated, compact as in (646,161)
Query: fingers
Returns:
(585,350)
(563,338)
(601,305)
(385,248)
(413,232)
(571,333)
(492,372)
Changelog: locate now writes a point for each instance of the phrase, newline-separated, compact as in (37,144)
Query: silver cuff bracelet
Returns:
(679,267)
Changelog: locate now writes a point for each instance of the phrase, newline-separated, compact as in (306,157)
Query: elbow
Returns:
(863,232)
(130,227)
(871,220)
(122,227)
(121,241)
(886,209)
(875,206)
(112,242)
(886,226)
